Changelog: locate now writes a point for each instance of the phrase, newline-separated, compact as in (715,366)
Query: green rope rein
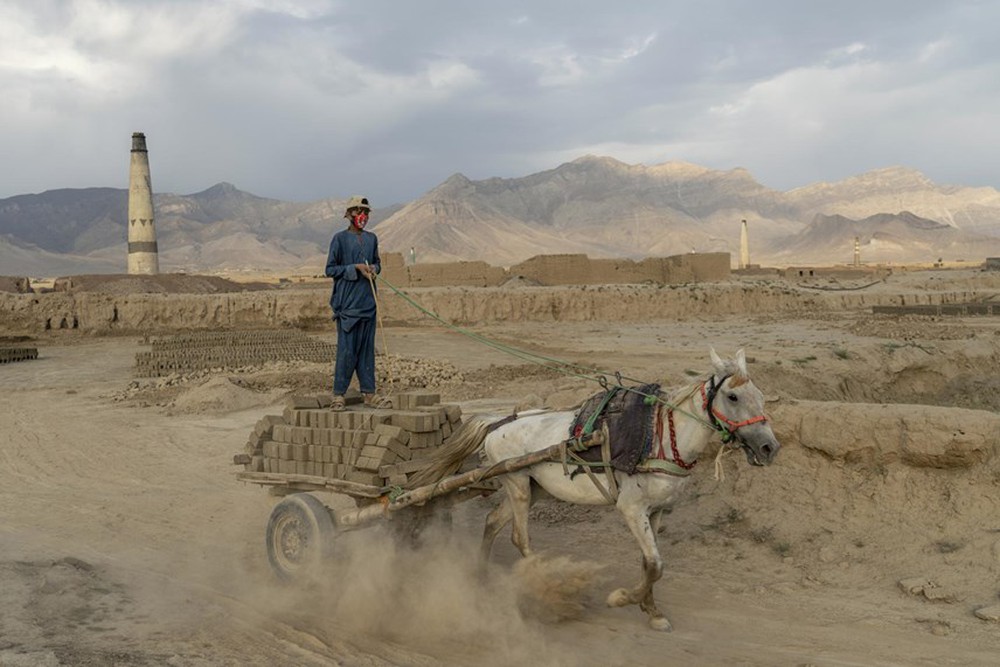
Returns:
(558,365)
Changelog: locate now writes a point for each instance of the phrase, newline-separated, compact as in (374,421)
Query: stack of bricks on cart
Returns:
(11,354)
(229,349)
(372,446)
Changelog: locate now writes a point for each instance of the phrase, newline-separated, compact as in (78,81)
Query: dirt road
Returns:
(125,539)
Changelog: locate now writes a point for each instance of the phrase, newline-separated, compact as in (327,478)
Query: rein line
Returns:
(565,367)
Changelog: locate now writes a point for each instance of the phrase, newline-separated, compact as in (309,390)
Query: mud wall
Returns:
(553,270)
(308,308)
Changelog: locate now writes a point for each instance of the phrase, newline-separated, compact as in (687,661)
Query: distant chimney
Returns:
(744,246)
(857,251)
(143,257)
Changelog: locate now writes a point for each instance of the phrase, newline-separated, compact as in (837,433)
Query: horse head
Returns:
(735,407)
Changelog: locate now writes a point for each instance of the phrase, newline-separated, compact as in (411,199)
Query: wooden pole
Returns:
(354,518)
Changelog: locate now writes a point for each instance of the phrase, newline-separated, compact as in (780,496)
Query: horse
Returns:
(725,402)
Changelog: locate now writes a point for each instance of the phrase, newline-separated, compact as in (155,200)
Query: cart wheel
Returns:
(299,536)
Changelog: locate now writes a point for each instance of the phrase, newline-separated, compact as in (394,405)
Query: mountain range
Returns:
(593,205)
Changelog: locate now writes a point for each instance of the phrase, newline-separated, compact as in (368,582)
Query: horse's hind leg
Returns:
(652,569)
(499,517)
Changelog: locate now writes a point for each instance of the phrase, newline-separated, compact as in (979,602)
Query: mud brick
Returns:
(252,447)
(353,397)
(422,454)
(396,480)
(336,437)
(278,466)
(270,449)
(256,464)
(329,470)
(423,440)
(372,418)
(267,464)
(300,452)
(302,402)
(300,467)
(446,430)
(354,439)
(395,432)
(375,452)
(346,420)
(288,416)
(408,400)
(281,433)
(342,470)
(349,456)
(310,452)
(440,411)
(362,477)
(402,468)
(395,446)
(264,426)
(285,451)
(314,419)
(324,401)
(298,435)
(401,401)
(371,439)
(453,411)
(415,422)
(365,463)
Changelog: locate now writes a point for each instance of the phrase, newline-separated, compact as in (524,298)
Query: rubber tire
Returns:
(300,536)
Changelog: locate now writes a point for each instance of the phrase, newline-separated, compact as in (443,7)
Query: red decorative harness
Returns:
(729,429)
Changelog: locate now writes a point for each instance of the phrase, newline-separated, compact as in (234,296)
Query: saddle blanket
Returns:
(631,425)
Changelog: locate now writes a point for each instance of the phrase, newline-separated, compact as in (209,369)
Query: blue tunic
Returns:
(352,297)
(353,304)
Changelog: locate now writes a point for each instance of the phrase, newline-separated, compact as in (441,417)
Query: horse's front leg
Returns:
(637,519)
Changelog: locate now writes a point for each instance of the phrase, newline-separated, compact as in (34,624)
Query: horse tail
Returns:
(465,441)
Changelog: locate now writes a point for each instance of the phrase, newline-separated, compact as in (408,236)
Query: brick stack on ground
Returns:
(192,352)
(371,446)
(12,354)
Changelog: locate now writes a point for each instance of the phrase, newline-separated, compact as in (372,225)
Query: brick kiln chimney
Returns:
(143,257)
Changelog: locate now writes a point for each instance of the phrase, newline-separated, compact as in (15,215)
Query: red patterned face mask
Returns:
(359,220)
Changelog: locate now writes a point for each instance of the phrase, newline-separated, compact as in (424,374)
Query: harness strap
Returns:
(588,427)
(566,455)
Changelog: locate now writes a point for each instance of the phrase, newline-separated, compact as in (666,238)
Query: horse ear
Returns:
(716,360)
(741,362)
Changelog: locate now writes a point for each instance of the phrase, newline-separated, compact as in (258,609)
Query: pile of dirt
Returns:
(164,283)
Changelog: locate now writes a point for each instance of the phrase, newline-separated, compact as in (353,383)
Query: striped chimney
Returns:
(142,252)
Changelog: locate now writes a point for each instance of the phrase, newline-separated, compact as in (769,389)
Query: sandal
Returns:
(337,405)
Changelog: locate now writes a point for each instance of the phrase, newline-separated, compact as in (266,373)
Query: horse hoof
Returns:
(618,598)
(660,623)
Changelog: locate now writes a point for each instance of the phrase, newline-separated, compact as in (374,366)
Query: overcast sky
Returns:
(307,99)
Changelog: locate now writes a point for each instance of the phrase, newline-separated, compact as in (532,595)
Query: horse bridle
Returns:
(720,422)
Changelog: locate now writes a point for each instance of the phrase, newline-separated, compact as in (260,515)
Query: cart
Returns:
(302,530)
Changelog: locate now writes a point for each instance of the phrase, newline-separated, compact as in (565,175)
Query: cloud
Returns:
(303,99)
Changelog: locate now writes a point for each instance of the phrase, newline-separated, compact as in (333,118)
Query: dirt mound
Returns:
(164,283)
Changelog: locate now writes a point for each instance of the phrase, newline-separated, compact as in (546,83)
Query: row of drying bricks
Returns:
(10,354)
(372,447)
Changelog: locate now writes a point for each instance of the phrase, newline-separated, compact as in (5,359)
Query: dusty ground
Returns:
(125,539)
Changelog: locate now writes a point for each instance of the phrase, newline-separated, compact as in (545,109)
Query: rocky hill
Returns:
(593,205)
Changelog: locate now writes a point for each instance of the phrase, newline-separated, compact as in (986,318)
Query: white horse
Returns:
(726,402)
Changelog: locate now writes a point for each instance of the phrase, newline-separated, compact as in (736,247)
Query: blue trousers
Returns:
(355,353)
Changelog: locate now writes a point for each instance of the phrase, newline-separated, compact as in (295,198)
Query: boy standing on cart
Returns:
(353,262)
